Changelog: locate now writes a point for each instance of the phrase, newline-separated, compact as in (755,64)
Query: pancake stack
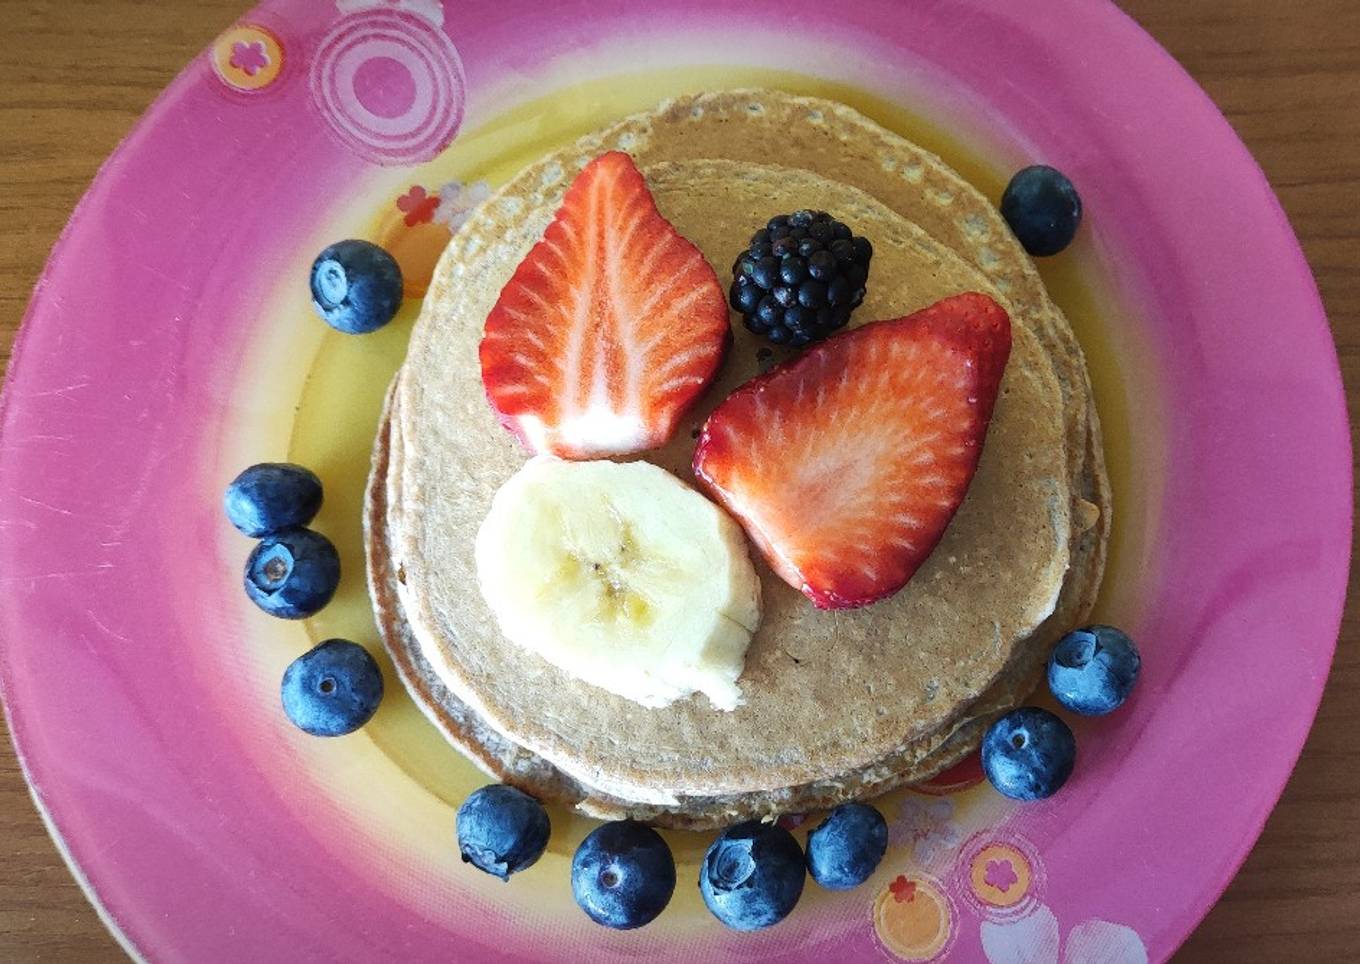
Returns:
(837,704)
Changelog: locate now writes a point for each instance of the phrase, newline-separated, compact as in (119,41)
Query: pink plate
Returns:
(170,343)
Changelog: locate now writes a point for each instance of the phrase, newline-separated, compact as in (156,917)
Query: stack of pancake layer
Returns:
(837,705)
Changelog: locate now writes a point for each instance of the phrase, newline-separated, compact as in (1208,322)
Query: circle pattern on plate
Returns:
(1000,875)
(390,85)
(247,58)
(913,918)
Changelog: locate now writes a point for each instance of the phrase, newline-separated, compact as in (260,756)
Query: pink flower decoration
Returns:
(249,58)
(418,205)
(1000,874)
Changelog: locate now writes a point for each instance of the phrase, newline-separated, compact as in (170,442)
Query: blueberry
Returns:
(843,250)
(845,848)
(808,246)
(501,830)
(863,251)
(785,295)
(784,246)
(761,237)
(1092,670)
(778,334)
(1043,209)
(800,219)
(1028,754)
(752,875)
(293,573)
(356,286)
(271,496)
(840,231)
(776,222)
(838,292)
(623,875)
(332,689)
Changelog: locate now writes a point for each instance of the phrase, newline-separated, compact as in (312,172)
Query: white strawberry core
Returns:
(596,431)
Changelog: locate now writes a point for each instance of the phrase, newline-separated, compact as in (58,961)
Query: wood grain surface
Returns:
(76,74)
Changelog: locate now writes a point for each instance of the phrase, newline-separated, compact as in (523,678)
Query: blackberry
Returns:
(800,278)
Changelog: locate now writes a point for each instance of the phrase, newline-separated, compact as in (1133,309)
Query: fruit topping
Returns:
(623,875)
(501,830)
(332,689)
(752,875)
(800,278)
(846,464)
(623,576)
(1043,209)
(1028,754)
(845,848)
(356,286)
(610,328)
(1092,670)
(292,574)
(272,496)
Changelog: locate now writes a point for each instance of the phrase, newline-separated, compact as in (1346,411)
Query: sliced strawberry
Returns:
(846,464)
(611,326)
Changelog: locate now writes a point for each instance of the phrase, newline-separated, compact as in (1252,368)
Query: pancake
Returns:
(826,694)
(507,761)
(757,124)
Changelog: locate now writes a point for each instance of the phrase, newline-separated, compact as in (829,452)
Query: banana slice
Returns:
(623,576)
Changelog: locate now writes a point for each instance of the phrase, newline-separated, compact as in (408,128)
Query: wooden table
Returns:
(75,74)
